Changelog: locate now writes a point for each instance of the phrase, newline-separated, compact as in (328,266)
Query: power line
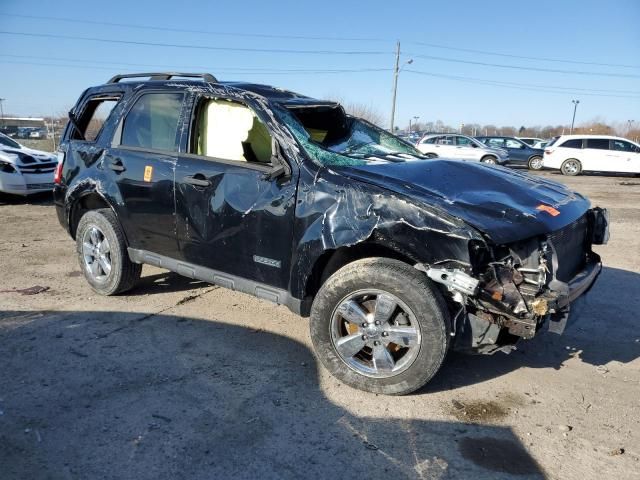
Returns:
(293,71)
(523,57)
(198,47)
(531,87)
(518,67)
(85,62)
(203,32)
(230,70)
(310,37)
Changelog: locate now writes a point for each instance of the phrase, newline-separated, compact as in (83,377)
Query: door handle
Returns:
(116,165)
(199,180)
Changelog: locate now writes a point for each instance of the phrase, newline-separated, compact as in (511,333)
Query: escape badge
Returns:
(148,173)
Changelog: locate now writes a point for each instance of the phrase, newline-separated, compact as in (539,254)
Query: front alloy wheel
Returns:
(489,160)
(380,325)
(375,333)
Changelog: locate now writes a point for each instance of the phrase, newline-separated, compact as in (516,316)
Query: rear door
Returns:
(141,163)
(234,214)
(598,157)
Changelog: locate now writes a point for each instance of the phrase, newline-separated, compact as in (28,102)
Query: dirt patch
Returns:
(498,455)
(480,412)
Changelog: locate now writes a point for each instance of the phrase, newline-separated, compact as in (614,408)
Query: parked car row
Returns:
(571,154)
(492,150)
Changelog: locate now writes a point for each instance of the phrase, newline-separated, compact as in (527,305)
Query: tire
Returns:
(431,155)
(489,160)
(571,167)
(106,266)
(423,326)
(535,163)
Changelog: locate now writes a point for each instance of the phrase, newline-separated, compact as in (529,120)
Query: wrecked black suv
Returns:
(396,258)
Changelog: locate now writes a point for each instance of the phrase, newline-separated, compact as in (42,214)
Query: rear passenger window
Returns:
(573,143)
(93,117)
(598,143)
(152,122)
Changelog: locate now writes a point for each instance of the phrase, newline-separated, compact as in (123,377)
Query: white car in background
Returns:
(572,154)
(23,170)
(460,147)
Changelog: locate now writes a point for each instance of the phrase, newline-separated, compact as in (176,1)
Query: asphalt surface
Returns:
(180,379)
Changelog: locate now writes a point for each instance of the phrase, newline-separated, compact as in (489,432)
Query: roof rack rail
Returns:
(207,77)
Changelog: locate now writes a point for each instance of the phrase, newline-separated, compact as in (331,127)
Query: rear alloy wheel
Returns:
(535,163)
(102,253)
(489,160)
(571,167)
(379,325)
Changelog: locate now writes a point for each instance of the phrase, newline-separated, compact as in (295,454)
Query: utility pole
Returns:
(573,120)
(396,71)
(2,110)
(415,123)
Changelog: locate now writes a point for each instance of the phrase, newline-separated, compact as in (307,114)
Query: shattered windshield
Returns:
(334,138)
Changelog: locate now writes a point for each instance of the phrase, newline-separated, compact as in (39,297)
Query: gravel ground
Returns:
(181,379)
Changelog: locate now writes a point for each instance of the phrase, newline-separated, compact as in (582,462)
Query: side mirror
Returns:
(281,168)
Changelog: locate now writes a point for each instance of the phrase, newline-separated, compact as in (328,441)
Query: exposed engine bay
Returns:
(512,291)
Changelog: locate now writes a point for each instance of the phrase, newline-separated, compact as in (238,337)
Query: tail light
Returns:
(57,175)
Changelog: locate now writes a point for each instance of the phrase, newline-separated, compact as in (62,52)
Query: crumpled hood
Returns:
(504,204)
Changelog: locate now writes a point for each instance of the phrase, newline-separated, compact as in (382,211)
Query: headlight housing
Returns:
(6,167)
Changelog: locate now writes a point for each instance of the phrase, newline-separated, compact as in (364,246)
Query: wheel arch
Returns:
(333,260)
(85,202)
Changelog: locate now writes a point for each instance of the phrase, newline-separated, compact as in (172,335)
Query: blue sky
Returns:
(45,75)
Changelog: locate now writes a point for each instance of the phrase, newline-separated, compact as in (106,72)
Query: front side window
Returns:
(573,143)
(228,130)
(463,141)
(622,146)
(598,143)
(429,140)
(152,122)
(511,143)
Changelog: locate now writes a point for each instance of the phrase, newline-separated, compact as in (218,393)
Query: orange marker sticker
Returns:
(148,173)
(550,210)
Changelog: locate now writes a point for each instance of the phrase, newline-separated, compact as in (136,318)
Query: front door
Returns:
(234,214)
(625,156)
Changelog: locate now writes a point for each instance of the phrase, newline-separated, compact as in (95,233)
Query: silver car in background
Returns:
(460,147)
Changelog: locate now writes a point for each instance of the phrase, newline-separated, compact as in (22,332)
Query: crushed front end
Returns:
(511,291)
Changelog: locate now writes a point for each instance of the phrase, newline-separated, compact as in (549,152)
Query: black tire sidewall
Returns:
(409,285)
(99,219)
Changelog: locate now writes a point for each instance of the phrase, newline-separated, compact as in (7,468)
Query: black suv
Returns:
(396,258)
